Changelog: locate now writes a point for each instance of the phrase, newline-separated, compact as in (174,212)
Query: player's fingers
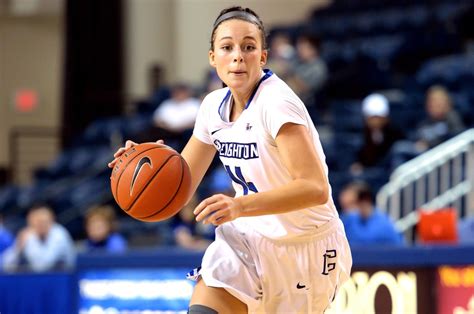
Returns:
(200,207)
(208,210)
(112,163)
(119,152)
(214,216)
(122,150)
(160,142)
(203,204)
(129,144)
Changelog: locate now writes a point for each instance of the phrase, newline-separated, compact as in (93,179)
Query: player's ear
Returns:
(263,57)
(212,61)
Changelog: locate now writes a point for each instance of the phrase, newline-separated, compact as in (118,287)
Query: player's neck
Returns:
(235,110)
(240,99)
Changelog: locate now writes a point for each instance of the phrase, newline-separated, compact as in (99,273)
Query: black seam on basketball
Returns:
(125,166)
(174,195)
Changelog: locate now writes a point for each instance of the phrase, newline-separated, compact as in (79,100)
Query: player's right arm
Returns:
(198,156)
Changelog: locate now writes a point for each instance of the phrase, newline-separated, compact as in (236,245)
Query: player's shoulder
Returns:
(277,91)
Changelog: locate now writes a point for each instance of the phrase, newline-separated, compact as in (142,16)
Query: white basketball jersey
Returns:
(248,151)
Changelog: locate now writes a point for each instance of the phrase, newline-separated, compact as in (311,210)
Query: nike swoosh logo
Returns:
(298,286)
(212,133)
(145,160)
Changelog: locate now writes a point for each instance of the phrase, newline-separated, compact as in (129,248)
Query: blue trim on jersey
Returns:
(222,102)
(268,73)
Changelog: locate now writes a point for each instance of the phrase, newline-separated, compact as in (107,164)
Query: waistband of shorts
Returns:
(318,233)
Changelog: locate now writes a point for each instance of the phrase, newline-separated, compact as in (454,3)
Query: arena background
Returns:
(72,74)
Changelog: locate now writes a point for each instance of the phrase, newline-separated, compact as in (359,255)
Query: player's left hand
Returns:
(217,209)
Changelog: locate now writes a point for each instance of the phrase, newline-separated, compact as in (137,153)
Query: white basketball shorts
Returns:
(279,276)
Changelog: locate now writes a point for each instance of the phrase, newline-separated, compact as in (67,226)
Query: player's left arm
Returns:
(308,188)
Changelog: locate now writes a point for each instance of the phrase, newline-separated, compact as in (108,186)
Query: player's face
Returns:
(238,55)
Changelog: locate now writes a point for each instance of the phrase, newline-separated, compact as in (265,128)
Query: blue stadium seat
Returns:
(8,197)
(347,145)
(449,70)
(346,116)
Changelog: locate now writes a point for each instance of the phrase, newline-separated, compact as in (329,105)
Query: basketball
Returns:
(151,182)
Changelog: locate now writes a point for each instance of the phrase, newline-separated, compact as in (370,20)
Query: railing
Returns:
(440,177)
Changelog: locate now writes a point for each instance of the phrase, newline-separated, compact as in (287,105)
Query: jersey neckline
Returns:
(267,74)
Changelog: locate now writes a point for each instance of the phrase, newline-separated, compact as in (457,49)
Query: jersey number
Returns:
(239,179)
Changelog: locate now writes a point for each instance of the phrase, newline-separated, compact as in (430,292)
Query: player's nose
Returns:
(238,56)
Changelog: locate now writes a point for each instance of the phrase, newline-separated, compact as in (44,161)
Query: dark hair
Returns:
(244,14)
(365,193)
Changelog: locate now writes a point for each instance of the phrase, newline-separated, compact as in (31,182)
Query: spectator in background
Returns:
(309,74)
(379,134)
(348,200)
(174,119)
(442,122)
(43,245)
(211,83)
(281,54)
(6,239)
(188,233)
(159,91)
(367,224)
(101,228)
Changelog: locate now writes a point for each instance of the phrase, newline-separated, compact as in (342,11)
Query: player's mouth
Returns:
(238,73)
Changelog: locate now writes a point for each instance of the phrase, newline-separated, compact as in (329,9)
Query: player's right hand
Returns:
(121,150)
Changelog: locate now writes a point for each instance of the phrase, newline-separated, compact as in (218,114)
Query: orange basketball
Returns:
(151,182)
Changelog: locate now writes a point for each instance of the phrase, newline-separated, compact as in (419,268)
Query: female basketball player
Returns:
(280,246)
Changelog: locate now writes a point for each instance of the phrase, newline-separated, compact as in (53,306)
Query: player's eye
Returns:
(226,48)
(249,47)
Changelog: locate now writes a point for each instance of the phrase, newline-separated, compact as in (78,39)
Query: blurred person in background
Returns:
(159,90)
(101,228)
(281,54)
(379,134)
(43,245)
(6,239)
(367,224)
(309,74)
(211,83)
(174,119)
(348,200)
(188,233)
(442,122)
